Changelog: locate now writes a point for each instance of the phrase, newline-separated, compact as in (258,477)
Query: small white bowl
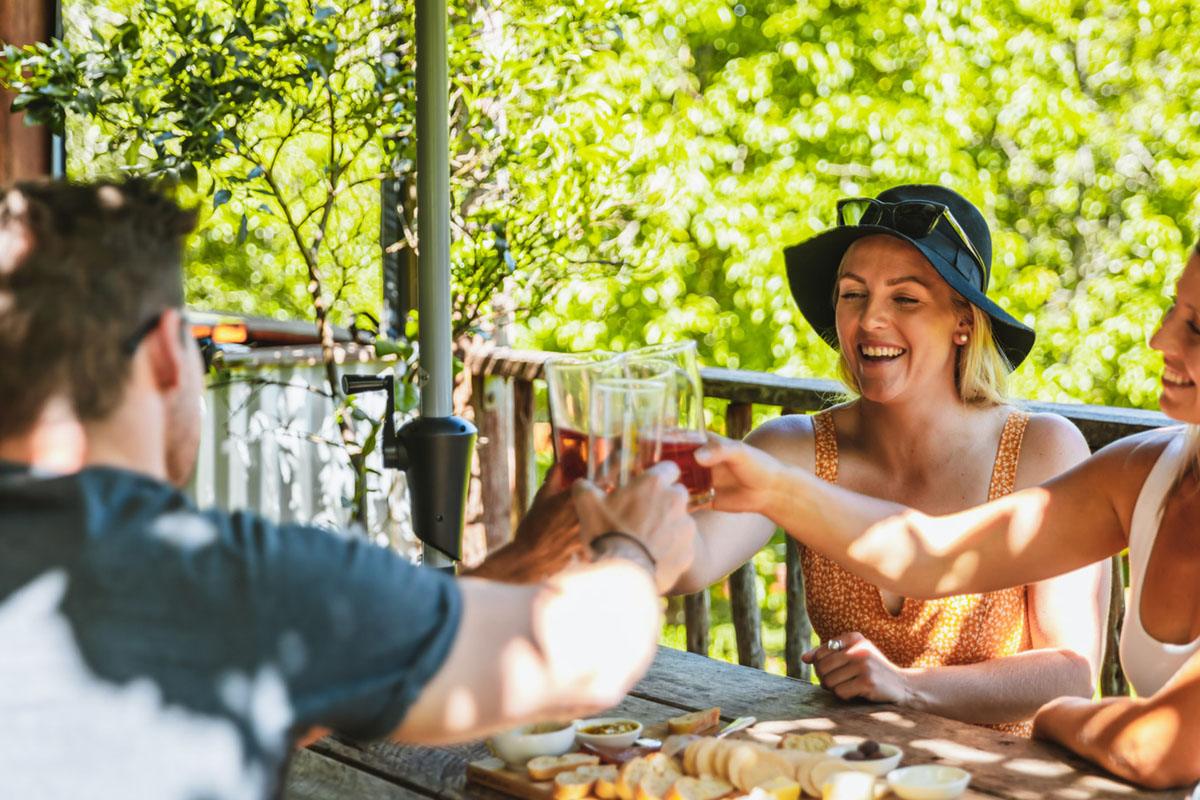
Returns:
(624,739)
(521,744)
(928,782)
(873,766)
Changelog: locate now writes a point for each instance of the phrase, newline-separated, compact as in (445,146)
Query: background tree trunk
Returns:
(24,150)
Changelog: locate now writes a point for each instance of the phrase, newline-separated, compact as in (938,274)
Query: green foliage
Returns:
(1074,125)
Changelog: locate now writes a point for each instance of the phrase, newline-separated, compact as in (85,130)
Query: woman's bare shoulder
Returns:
(1053,444)
(1050,446)
(788,437)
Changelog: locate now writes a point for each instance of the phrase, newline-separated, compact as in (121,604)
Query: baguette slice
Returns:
(544,768)
(656,787)
(781,789)
(699,789)
(813,742)
(689,756)
(574,785)
(606,781)
(695,721)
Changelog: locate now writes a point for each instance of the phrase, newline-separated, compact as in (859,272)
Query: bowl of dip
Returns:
(529,741)
(608,731)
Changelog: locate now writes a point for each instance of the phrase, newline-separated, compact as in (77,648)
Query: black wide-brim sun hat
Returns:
(812,266)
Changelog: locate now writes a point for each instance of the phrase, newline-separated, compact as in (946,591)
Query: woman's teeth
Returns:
(881,352)
(1174,378)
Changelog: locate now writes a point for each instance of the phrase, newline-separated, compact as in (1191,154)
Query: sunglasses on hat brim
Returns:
(915,219)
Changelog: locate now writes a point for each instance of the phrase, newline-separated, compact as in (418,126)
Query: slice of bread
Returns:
(813,742)
(656,787)
(606,781)
(544,768)
(695,721)
(699,789)
(781,789)
(574,785)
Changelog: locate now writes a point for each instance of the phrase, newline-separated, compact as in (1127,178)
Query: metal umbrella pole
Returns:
(434,449)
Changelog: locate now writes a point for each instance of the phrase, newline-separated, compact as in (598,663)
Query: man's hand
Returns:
(856,668)
(742,474)
(652,509)
(546,541)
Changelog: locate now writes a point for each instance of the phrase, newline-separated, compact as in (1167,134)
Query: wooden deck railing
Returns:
(510,374)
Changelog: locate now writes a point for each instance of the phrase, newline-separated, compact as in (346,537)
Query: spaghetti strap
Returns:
(1004,472)
(825,441)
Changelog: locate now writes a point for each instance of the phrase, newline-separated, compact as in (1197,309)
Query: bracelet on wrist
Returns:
(598,549)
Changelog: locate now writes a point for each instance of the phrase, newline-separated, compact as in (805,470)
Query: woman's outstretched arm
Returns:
(1067,523)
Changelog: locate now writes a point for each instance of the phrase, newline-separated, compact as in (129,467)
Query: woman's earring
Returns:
(961,338)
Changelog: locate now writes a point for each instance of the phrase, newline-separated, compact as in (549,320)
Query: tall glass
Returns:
(684,427)
(626,429)
(569,383)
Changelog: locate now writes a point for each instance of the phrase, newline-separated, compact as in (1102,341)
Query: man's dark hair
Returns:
(81,267)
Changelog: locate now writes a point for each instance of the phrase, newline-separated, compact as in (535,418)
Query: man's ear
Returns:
(167,350)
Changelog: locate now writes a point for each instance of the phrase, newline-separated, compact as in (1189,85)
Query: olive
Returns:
(869,748)
(854,755)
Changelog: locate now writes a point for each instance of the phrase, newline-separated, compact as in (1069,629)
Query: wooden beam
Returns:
(24,149)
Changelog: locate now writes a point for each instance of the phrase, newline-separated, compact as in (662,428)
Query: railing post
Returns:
(797,626)
(1112,679)
(696,610)
(524,460)
(743,582)
(487,393)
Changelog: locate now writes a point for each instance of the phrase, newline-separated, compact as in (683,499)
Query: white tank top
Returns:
(1149,663)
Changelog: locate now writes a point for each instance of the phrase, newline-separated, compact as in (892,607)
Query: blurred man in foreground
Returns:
(152,649)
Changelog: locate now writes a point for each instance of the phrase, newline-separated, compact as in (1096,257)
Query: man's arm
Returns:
(546,542)
(575,643)
(567,647)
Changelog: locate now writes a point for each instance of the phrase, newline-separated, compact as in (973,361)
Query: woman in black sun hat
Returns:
(899,288)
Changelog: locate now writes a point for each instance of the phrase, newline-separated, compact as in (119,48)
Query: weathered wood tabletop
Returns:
(1003,766)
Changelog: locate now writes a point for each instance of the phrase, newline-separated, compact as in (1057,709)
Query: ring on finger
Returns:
(834,644)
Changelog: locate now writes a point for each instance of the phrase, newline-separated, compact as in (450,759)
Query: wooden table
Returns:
(1003,766)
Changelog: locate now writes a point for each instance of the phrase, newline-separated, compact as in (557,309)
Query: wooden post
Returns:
(743,582)
(797,626)
(24,150)
(524,460)
(696,610)
(496,495)
(1112,679)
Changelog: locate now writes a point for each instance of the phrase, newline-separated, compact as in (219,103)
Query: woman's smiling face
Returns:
(1178,339)
(897,320)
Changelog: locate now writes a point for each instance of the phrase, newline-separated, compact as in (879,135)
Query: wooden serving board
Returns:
(495,774)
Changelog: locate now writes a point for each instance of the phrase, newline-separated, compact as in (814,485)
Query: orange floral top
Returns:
(964,629)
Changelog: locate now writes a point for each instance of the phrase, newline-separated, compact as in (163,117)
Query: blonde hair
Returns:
(981,372)
(1188,465)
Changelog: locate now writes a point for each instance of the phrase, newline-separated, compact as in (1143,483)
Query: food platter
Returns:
(753,764)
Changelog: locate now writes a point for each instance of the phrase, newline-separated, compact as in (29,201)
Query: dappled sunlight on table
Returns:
(955,753)
(892,718)
(781,726)
(1038,767)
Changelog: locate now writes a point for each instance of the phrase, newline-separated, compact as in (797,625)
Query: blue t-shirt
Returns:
(149,649)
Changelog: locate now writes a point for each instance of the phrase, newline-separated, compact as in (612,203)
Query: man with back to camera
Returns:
(151,649)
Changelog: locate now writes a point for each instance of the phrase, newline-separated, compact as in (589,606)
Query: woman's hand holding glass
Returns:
(743,476)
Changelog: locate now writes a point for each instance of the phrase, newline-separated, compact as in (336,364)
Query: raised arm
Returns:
(1069,522)
(574,643)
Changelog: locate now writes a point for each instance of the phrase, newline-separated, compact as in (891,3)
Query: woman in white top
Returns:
(1142,492)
